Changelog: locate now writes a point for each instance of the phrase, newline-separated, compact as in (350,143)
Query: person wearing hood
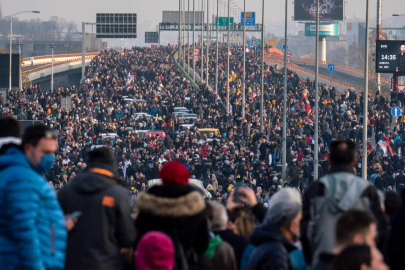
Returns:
(281,227)
(33,231)
(105,224)
(177,209)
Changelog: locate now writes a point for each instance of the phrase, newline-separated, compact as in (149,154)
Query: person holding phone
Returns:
(102,210)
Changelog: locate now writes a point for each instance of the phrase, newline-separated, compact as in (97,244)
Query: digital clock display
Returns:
(390,56)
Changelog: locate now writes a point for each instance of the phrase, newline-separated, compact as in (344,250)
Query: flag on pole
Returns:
(384,145)
(309,122)
(152,44)
(296,107)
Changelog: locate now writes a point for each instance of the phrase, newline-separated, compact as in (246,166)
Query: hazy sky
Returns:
(150,11)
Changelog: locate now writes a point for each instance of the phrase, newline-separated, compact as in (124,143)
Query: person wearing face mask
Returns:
(280,228)
(33,232)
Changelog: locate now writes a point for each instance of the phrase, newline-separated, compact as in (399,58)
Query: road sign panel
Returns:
(250,18)
(331,67)
(249,42)
(223,21)
(255,48)
(395,111)
(272,42)
(289,60)
(284,47)
(289,53)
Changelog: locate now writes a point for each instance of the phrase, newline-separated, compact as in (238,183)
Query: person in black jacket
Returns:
(178,210)
(105,224)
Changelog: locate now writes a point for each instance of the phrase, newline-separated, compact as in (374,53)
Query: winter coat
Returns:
(105,224)
(33,231)
(178,211)
(272,249)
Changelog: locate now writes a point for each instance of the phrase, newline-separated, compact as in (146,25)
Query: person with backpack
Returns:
(178,210)
(331,196)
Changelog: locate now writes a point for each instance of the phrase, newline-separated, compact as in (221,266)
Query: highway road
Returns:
(35,66)
(343,77)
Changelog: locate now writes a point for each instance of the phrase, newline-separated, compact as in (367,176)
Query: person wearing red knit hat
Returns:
(177,209)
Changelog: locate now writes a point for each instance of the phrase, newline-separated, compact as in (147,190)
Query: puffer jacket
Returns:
(32,226)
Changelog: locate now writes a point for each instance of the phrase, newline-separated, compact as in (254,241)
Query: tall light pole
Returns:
(19,43)
(188,39)
(227,62)
(244,61)
(184,34)
(379,19)
(262,79)
(193,40)
(202,41)
(365,104)
(52,46)
(216,65)
(179,58)
(11,42)
(316,149)
(208,40)
(284,159)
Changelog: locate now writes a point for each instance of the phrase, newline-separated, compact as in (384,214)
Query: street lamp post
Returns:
(208,41)
(316,149)
(284,158)
(52,46)
(216,65)
(262,79)
(188,39)
(365,104)
(11,42)
(19,43)
(227,63)
(244,61)
(202,42)
(193,40)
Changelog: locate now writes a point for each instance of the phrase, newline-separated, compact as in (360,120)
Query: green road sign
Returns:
(223,21)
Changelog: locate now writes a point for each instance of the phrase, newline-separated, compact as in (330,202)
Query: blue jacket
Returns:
(32,226)
(272,249)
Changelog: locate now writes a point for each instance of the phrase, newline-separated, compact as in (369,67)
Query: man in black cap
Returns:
(104,224)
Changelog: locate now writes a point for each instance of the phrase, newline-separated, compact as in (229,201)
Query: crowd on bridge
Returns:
(123,131)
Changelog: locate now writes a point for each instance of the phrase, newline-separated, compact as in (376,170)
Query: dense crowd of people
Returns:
(257,219)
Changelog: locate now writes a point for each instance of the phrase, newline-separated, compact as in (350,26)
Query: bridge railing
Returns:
(354,70)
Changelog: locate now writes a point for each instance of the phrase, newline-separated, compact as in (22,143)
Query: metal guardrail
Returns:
(354,70)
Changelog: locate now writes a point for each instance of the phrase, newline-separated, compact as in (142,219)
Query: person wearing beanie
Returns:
(178,210)
(155,251)
(105,224)
(273,248)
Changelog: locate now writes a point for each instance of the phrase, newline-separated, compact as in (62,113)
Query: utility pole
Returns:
(19,43)
(180,55)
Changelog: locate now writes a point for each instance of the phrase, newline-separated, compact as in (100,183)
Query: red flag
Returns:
(152,44)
